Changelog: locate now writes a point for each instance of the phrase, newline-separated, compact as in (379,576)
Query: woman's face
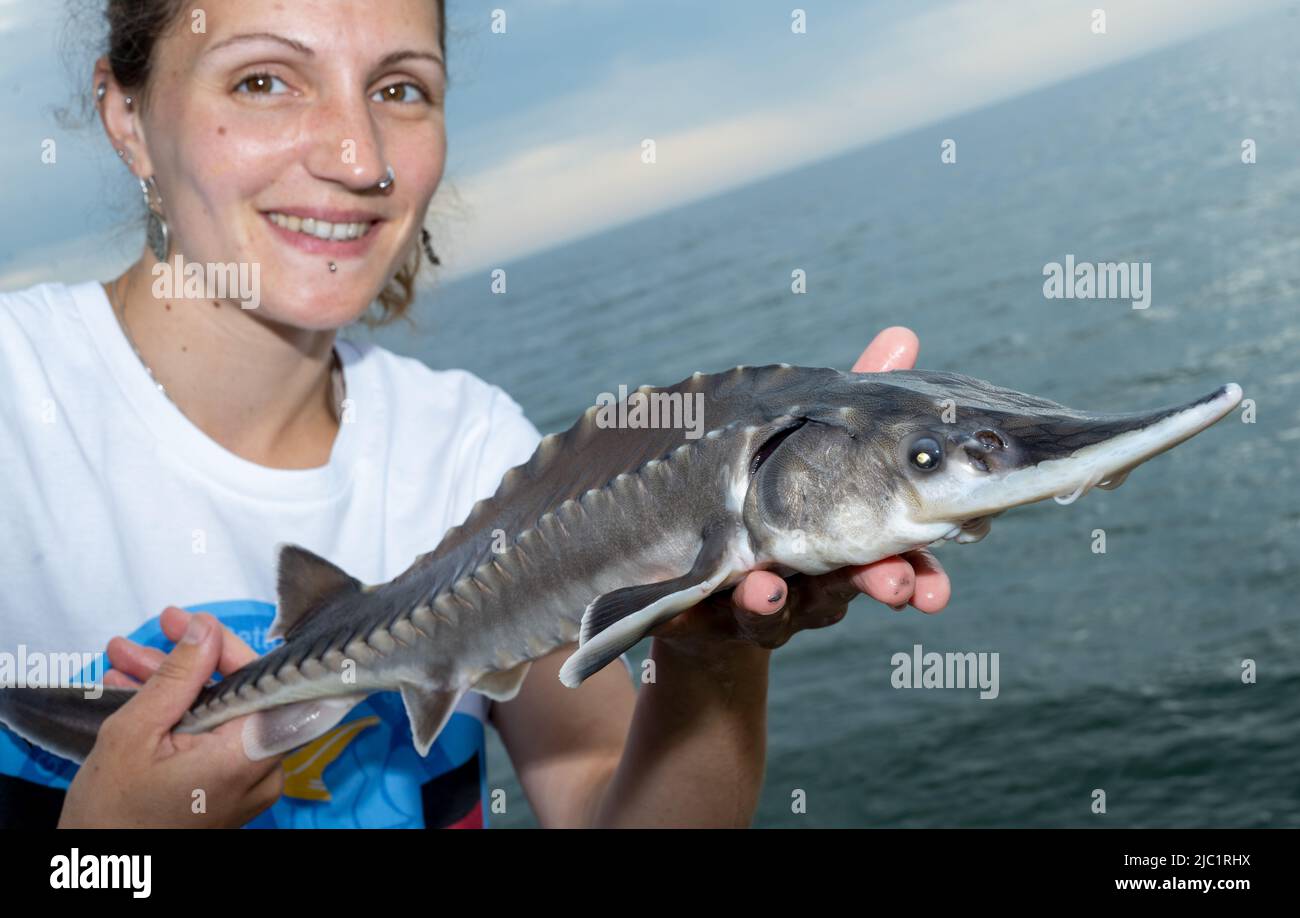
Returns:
(290,113)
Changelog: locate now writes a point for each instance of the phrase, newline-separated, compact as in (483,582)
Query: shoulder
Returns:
(43,337)
(40,311)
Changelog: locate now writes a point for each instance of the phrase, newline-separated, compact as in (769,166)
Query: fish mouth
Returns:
(1066,455)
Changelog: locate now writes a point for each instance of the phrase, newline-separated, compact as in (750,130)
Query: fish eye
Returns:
(926,454)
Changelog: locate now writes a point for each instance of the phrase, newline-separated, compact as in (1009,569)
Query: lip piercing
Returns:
(387,181)
(333,267)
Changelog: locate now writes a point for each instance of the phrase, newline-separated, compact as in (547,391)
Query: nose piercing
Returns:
(387,181)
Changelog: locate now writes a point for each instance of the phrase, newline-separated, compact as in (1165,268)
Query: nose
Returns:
(350,150)
(985,450)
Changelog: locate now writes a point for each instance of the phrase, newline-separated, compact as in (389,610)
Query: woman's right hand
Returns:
(141,774)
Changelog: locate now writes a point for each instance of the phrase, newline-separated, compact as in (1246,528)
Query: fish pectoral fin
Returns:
(504,684)
(428,711)
(275,730)
(615,621)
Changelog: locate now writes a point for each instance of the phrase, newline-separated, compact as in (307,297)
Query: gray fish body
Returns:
(609,530)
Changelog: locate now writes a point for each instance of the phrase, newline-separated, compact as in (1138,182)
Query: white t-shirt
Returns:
(115,505)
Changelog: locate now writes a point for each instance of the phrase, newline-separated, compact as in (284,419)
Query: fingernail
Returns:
(195,631)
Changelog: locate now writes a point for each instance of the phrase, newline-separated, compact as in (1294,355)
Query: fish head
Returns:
(888,462)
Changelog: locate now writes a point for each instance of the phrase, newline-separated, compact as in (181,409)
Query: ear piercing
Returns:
(102,90)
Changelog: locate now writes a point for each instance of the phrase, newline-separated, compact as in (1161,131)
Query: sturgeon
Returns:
(607,531)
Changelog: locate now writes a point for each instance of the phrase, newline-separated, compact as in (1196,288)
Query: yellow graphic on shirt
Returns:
(304,770)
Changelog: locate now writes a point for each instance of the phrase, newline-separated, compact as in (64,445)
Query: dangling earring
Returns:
(157,235)
(427,241)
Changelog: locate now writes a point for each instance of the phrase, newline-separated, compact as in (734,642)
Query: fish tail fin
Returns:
(306,582)
(64,721)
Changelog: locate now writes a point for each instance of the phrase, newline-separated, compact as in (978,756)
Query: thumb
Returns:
(181,675)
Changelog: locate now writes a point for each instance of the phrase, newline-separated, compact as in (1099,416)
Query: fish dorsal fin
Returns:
(306,583)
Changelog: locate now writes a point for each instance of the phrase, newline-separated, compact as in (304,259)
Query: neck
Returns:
(260,389)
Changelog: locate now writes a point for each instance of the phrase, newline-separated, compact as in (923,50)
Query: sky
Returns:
(547,120)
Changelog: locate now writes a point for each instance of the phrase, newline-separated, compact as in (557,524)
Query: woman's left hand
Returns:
(766,610)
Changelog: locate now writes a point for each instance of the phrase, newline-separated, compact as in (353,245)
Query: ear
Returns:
(121,123)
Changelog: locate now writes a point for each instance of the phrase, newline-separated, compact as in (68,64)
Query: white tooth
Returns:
(277,219)
(324,230)
(354,230)
(340,231)
(309,225)
(295,223)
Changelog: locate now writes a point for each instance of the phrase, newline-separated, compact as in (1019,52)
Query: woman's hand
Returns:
(139,772)
(766,610)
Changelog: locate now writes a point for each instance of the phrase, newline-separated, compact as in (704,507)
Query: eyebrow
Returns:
(388,60)
(262,36)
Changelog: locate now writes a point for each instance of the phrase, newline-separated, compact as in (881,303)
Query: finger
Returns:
(132,659)
(832,589)
(761,591)
(115,679)
(821,600)
(890,580)
(933,588)
(268,790)
(234,652)
(180,676)
(895,348)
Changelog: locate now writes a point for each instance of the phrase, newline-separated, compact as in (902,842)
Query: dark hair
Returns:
(134,28)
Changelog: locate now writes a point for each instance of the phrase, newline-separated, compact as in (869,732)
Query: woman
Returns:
(164,438)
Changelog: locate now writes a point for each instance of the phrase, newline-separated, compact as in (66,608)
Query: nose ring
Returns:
(387,181)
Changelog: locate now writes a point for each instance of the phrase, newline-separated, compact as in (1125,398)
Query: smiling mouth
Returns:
(321,229)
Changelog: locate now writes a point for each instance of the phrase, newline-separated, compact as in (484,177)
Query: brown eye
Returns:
(261,84)
(400,92)
(926,454)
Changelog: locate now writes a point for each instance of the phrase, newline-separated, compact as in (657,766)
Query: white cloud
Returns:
(573,179)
